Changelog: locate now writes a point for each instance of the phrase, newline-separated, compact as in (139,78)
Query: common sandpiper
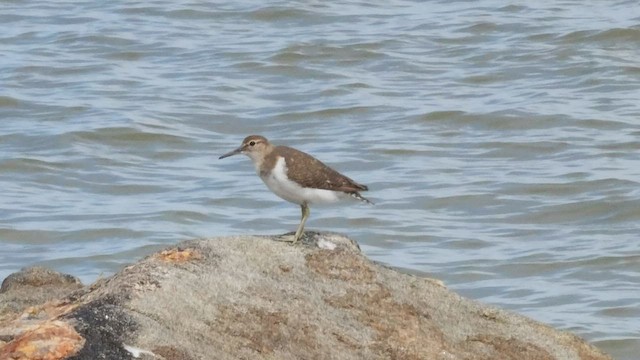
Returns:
(297,176)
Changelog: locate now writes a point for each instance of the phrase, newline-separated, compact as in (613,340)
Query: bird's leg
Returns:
(305,215)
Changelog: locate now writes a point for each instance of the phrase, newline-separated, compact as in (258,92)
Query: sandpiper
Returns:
(297,176)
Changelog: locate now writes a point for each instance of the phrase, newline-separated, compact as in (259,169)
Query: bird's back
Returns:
(310,172)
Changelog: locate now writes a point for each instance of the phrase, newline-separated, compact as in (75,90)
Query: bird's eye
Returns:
(252,143)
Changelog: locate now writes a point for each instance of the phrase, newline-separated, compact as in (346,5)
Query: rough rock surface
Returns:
(33,286)
(260,298)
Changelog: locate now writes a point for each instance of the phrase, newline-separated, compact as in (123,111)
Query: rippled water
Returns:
(500,142)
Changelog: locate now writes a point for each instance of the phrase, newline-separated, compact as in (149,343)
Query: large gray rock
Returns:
(259,298)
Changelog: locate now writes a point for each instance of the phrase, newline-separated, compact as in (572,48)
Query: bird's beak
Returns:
(233,152)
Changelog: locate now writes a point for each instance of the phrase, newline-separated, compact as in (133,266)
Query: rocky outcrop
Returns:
(261,298)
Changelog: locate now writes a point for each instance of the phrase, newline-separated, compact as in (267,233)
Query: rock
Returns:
(38,277)
(256,297)
(32,286)
(49,340)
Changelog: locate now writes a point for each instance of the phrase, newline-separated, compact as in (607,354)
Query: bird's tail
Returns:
(357,195)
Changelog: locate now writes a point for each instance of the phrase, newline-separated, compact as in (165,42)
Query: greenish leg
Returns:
(305,215)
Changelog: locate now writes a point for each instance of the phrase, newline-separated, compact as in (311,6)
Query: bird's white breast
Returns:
(278,182)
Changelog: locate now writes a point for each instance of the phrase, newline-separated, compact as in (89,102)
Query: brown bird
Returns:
(297,176)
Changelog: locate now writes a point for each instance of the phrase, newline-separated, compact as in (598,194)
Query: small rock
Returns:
(50,340)
(34,286)
(37,277)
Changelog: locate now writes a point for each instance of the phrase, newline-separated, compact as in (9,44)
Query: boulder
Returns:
(33,286)
(257,297)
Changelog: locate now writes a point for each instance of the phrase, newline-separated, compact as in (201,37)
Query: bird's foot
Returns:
(290,238)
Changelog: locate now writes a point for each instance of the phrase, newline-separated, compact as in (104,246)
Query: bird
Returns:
(297,177)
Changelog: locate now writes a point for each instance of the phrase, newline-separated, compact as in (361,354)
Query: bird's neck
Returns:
(260,160)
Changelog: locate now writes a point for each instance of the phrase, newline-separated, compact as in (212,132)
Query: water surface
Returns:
(500,141)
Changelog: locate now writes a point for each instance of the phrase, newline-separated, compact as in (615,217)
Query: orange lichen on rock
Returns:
(49,310)
(51,340)
(179,255)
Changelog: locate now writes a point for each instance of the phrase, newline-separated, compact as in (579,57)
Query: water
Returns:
(500,141)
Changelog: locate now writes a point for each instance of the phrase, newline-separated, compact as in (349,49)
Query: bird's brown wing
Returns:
(313,173)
